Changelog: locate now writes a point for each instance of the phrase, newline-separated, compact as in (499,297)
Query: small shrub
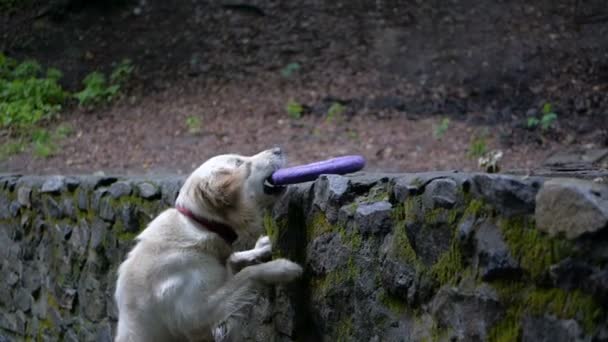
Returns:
(478,146)
(96,88)
(42,143)
(46,144)
(194,124)
(441,129)
(122,73)
(294,109)
(10,148)
(546,120)
(290,69)
(26,96)
(334,112)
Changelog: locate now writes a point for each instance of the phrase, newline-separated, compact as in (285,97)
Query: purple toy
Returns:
(309,172)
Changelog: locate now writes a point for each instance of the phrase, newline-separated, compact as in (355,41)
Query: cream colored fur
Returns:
(181,281)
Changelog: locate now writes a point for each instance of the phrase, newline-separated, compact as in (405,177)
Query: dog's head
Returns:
(233,189)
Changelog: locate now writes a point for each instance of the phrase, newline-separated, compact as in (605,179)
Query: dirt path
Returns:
(397,70)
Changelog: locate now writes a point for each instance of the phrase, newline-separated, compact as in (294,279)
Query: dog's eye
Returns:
(238,162)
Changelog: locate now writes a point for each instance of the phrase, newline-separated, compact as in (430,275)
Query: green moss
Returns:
(394,304)
(341,275)
(403,248)
(566,305)
(438,333)
(351,239)
(534,250)
(508,329)
(529,299)
(477,208)
(449,265)
(319,225)
(344,329)
(52,301)
(270,227)
(377,194)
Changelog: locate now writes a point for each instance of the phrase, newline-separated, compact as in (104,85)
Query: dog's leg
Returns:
(261,252)
(242,289)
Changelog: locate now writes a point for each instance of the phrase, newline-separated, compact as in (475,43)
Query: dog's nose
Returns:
(276,151)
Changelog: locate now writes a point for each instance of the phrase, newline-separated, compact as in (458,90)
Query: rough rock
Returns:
(511,195)
(53,185)
(130,219)
(24,196)
(400,280)
(469,314)
(120,189)
(330,191)
(148,191)
(374,218)
(551,329)
(493,256)
(106,211)
(53,209)
(571,207)
(570,274)
(441,193)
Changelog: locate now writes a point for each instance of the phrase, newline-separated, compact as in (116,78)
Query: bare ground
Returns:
(397,69)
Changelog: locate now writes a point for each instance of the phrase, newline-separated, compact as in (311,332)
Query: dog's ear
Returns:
(221,190)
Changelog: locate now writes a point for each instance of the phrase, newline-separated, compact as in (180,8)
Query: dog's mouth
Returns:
(272,189)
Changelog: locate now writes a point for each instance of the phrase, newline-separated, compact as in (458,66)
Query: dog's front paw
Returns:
(262,242)
(280,271)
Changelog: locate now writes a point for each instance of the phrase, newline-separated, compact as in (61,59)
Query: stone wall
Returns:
(402,257)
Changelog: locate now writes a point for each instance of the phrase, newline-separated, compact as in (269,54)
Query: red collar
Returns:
(224,231)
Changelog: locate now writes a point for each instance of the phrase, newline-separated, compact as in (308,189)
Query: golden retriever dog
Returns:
(182,280)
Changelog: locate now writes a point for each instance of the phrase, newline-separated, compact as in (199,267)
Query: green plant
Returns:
(289,69)
(26,95)
(478,146)
(45,143)
(334,112)
(194,124)
(440,129)
(98,90)
(546,120)
(353,135)
(10,148)
(42,143)
(122,73)
(294,109)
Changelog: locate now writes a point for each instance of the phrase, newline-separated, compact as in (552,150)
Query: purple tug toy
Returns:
(310,172)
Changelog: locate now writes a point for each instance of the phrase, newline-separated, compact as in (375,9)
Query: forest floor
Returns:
(411,87)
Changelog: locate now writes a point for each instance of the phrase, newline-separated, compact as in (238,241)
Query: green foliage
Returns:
(335,111)
(546,120)
(441,129)
(534,250)
(26,95)
(98,90)
(122,73)
(294,109)
(290,69)
(449,265)
(532,122)
(478,146)
(194,124)
(45,143)
(10,148)
(526,299)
